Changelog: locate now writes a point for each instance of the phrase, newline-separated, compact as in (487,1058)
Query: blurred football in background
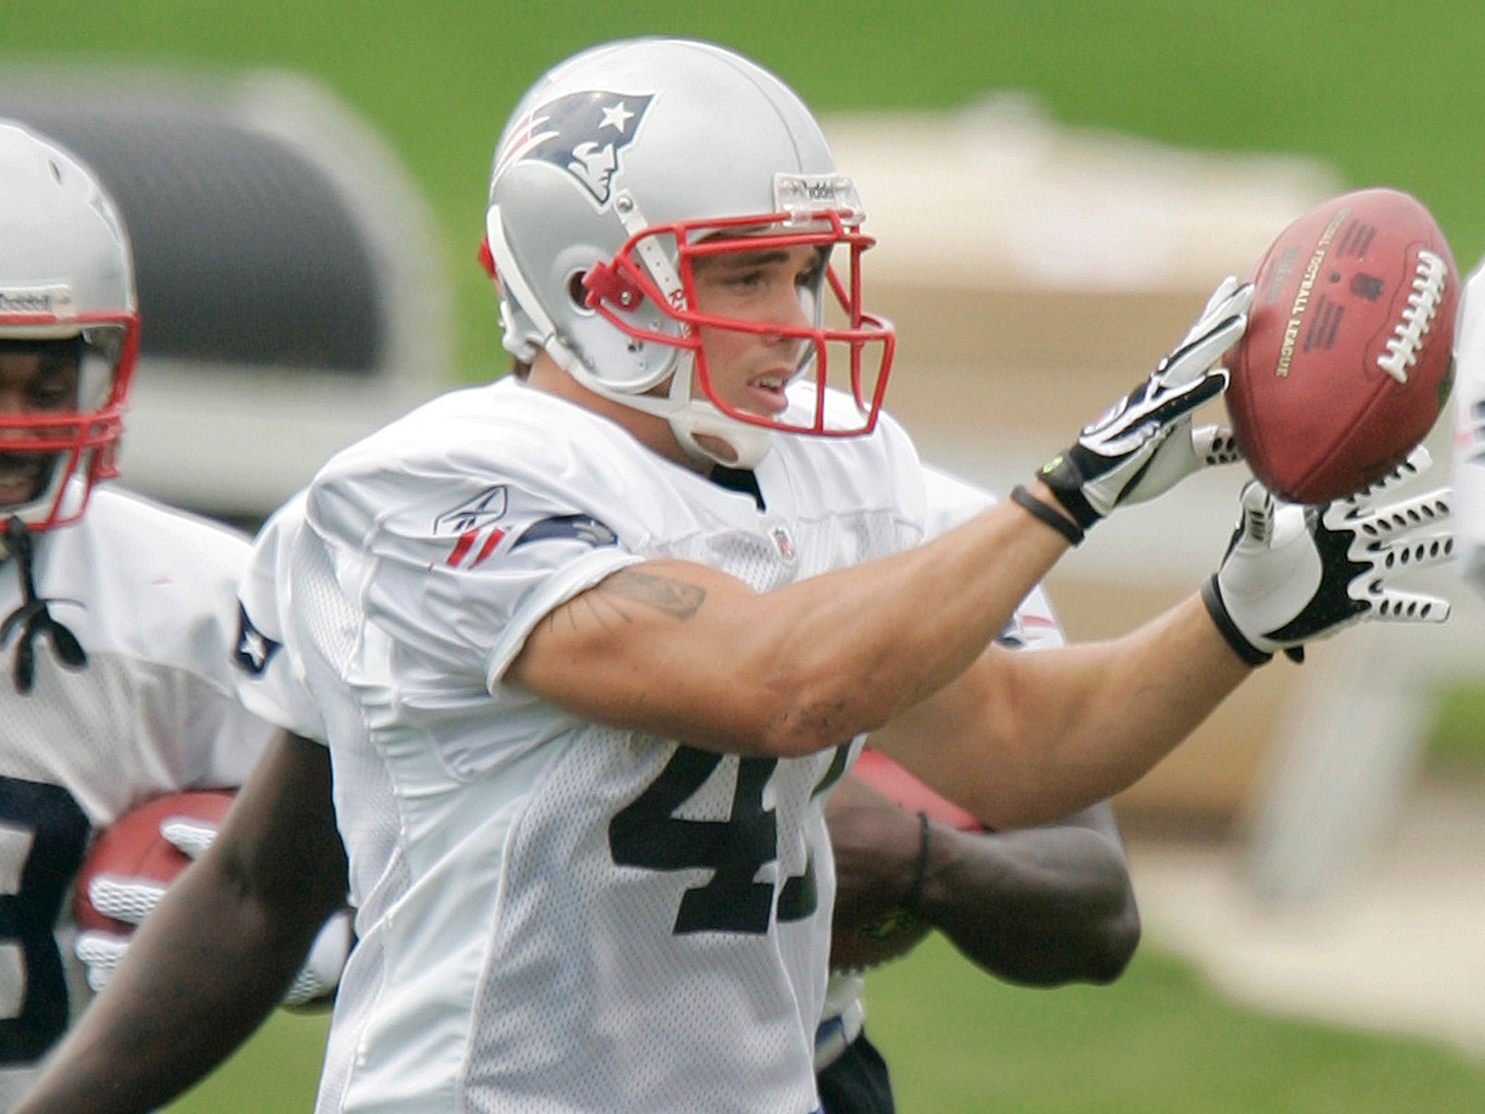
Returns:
(1347,360)
(133,847)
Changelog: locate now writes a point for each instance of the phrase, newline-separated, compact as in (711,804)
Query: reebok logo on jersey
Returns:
(581,133)
(473,525)
(254,648)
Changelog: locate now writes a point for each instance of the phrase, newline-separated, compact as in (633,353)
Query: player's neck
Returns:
(653,432)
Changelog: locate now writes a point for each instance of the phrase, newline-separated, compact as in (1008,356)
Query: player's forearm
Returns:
(1124,706)
(200,975)
(1023,739)
(1041,907)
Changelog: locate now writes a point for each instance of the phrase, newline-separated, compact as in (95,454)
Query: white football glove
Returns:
(1295,573)
(1144,444)
(130,899)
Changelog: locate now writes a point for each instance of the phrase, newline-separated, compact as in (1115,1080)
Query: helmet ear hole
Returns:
(577,292)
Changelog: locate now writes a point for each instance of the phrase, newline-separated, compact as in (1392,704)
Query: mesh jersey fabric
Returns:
(150,594)
(555,915)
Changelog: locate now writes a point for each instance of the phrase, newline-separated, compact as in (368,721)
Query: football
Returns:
(132,846)
(896,784)
(1346,362)
(898,931)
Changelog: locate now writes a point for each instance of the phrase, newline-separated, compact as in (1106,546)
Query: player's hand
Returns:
(317,979)
(1144,443)
(131,899)
(1296,573)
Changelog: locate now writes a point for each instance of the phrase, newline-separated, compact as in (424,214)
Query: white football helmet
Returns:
(621,166)
(66,272)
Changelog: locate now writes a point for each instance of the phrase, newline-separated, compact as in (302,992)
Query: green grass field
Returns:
(1159,1041)
(1388,93)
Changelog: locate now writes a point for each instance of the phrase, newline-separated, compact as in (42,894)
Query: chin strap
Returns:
(33,616)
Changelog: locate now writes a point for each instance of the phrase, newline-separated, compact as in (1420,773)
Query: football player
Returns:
(591,648)
(116,615)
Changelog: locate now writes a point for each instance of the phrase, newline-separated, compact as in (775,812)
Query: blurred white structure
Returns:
(292,289)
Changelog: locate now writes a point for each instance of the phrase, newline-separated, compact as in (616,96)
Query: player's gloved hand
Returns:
(130,899)
(1296,573)
(1144,443)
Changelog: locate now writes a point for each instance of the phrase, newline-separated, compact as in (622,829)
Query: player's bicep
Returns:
(655,646)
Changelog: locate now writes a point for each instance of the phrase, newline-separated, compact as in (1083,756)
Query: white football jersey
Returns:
(1469,431)
(150,595)
(554,915)
(951,501)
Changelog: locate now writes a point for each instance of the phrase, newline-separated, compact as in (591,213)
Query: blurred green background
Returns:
(1386,93)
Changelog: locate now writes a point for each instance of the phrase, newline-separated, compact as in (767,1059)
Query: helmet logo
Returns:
(582,133)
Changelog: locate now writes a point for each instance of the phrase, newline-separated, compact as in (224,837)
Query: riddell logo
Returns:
(51,300)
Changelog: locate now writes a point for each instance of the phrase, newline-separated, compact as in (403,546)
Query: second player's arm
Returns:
(224,943)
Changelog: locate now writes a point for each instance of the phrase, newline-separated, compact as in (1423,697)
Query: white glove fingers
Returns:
(1195,358)
(1420,552)
(1392,606)
(1229,299)
(1166,405)
(1382,524)
(1215,302)
(100,952)
(1257,515)
(123,898)
(1417,462)
(1215,445)
(188,834)
(327,955)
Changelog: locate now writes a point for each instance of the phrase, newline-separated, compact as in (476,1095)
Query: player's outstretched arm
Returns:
(217,954)
(1021,738)
(1038,906)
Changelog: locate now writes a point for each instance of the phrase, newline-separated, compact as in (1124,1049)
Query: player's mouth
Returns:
(766,393)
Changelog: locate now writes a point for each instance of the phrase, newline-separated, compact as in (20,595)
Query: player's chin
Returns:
(23,477)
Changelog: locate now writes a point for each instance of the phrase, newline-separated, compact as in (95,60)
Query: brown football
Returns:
(133,847)
(1347,360)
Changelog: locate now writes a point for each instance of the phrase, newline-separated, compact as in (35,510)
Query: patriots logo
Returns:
(574,527)
(254,648)
(582,133)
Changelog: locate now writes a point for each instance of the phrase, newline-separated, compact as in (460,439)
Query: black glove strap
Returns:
(1065,475)
(1048,515)
(1218,611)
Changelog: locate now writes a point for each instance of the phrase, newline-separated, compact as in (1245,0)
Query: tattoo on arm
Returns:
(675,598)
